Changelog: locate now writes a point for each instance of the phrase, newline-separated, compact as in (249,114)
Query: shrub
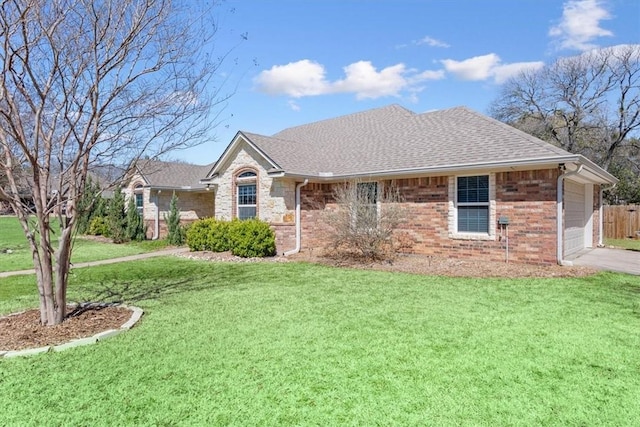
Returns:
(363,225)
(117,217)
(251,238)
(176,234)
(208,234)
(99,226)
(135,229)
(90,205)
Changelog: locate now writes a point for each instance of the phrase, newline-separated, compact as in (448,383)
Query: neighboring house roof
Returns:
(172,175)
(393,140)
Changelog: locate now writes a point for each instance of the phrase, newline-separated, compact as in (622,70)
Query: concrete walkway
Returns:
(163,252)
(619,260)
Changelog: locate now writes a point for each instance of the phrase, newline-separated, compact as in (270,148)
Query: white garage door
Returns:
(578,211)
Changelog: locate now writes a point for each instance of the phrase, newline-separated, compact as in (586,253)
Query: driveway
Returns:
(620,260)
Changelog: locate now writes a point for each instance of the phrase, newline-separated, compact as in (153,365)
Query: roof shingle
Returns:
(393,138)
(173,174)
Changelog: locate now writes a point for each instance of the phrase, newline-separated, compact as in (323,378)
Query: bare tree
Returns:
(365,219)
(587,104)
(86,83)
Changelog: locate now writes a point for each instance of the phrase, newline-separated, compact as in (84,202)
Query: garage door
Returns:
(576,217)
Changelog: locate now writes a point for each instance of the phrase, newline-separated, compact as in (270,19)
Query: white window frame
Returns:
(138,194)
(453,210)
(246,181)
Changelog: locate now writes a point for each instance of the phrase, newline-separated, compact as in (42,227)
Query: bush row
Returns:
(247,238)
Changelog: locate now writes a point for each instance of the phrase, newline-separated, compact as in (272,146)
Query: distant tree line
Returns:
(587,104)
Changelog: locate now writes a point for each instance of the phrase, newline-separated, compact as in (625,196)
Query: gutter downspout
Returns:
(559,217)
(298,225)
(601,216)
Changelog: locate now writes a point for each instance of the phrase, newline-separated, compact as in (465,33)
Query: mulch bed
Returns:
(23,330)
(416,264)
(451,267)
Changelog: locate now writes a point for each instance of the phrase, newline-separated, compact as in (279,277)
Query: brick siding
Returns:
(527,198)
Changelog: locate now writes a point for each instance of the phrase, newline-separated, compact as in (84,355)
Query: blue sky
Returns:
(309,60)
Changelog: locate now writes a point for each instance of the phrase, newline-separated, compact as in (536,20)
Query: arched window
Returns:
(246,183)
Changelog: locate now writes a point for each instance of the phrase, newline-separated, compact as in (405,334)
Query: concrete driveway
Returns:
(620,260)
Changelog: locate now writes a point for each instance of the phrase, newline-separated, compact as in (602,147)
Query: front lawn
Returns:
(15,253)
(631,244)
(299,344)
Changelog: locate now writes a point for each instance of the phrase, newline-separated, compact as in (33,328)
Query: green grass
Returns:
(12,237)
(297,344)
(631,244)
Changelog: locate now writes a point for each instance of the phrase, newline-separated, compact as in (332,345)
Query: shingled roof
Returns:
(393,139)
(176,175)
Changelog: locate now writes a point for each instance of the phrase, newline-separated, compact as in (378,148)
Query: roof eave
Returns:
(602,176)
(186,189)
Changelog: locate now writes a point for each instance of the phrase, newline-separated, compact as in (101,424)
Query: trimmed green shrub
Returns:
(251,238)
(208,234)
(218,236)
(197,235)
(99,226)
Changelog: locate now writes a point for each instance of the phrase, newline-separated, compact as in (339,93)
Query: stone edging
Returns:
(135,316)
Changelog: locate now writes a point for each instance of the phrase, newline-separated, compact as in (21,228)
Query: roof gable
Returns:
(232,150)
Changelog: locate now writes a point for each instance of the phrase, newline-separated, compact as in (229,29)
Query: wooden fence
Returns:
(621,222)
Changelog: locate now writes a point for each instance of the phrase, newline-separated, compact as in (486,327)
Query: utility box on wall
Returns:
(503,220)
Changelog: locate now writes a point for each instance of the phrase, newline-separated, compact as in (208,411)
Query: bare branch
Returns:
(89,83)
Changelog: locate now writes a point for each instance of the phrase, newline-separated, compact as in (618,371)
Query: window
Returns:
(473,204)
(246,188)
(246,201)
(139,198)
(367,205)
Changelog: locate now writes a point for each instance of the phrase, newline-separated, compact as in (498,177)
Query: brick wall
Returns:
(285,236)
(527,198)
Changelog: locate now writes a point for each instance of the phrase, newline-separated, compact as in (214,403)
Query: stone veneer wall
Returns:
(193,205)
(275,196)
(527,198)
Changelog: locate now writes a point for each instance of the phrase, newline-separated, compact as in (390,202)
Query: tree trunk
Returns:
(63,264)
(46,273)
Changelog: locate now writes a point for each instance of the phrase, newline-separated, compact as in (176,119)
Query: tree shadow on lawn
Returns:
(130,292)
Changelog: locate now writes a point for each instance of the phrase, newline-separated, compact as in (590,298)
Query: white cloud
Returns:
(296,79)
(293,105)
(487,67)
(580,24)
(429,75)
(365,81)
(502,73)
(432,42)
(307,78)
(476,68)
